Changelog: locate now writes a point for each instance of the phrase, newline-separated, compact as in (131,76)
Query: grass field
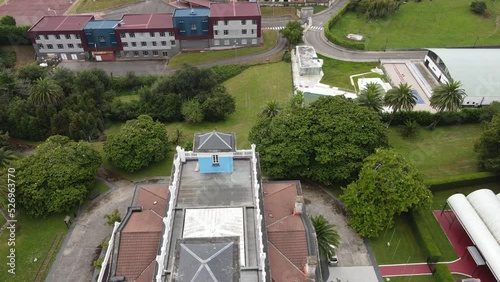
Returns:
(270,39)
(337,72)
(443,152)
(445,23)
(268,12)
(422,278)
(98,5)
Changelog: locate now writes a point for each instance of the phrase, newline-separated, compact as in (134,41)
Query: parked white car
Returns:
(333,260)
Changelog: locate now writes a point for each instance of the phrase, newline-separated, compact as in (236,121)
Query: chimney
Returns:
(310,267)
(299,205)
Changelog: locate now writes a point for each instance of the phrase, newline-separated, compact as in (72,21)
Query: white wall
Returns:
(54,41)
(234,28)
(146,37)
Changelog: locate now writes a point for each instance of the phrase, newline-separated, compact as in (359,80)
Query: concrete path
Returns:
(352,274)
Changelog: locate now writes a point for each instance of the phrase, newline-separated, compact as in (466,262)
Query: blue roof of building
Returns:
(195,12)
(101,24)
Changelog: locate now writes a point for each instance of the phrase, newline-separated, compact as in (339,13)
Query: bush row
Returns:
(7,58)
(424,118)
(225,72)
(340,40)
(442,273)
(424,236)
(14,35)
(132,81)
(457,181)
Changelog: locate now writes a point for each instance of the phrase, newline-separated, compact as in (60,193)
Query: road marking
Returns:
(316,28)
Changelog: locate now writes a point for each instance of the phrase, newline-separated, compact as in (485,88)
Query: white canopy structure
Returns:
(479,214)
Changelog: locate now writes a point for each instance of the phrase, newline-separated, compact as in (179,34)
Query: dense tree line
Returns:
(10,34)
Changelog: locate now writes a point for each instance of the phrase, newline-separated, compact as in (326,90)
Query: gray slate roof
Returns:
(214,142)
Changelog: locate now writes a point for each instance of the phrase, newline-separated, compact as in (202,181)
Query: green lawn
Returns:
(440,197)
(443,152)
(319,8)
(445,23)
(98,5)
(268,12)
(34,238)
(270,39)
(337,72)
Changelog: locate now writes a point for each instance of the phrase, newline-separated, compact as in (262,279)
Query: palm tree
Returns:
(327,236)
(6,157)
(46,91)
(400,98)
(270,109)
(371,97)
(447,97)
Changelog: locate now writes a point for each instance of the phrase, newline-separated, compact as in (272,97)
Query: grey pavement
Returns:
(144,7)
(120,68)
(352,274)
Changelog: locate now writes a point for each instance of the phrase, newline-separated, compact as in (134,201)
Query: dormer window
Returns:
(215,159)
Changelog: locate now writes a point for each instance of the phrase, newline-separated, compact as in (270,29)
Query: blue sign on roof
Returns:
(101,24)
(196,12)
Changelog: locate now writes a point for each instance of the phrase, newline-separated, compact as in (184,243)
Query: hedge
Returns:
(14,35)
(225,72)
(457,181)
(424,236)
(340,40)
(443,274)
(424,118)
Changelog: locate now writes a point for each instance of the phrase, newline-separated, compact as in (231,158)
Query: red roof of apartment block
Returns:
(234,9)
(62,23)
(145,21)
(287,241)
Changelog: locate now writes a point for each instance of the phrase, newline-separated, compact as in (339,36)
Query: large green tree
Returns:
(388,185)
(371,97)
(57,177)
(46,91)
(488,146)
(378,8)
(327,236)
(293,32)
(138,143)
(31,72)
(400,98)
(325,141)
(448,96)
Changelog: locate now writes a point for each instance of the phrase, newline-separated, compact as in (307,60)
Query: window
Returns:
(71,46)
(226,42)
(164,43)
(162,34)
(172,42)
(216,42)
(204,21)
(243,41)
(254,41)
(226,32)
(243,22)
(226,22)
(68,36)
(40,46)
(37,37)
(58,36)
(101,39)
(125,44)
(145,53)
(216,32)
(164,54)
(60,46)
(181,21)
(49,46)
(253,31)
(136,53)
(182,31)
(243,31)
(154,43)
(123,35)
(131,35)
(79,45)
(155,53)
(215,159)
(144,43)
(216,23)
(134,44)
(152,34)
(193,26)
(77,36)
(254,21)
(46,37)
(171,34)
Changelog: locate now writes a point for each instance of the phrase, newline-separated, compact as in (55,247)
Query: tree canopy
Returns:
(371,97)
(387,185)
(326,235)
(400,98)
(293,32)
(325,141)
(138,143)
(57,177)
(488,146)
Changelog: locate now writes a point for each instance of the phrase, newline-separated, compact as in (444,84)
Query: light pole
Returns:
(235,50)
(49,9)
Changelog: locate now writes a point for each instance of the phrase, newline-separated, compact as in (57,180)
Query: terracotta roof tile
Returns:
(279,201)
(148,195)
(144,221)
(136,252)
(282,270)
(292,244)
(147,274)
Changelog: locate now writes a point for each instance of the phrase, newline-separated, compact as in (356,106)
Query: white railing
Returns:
(108,253)
(256,187)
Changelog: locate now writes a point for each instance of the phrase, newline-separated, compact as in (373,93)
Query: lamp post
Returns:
(477,38)
(49,10)
(235,50)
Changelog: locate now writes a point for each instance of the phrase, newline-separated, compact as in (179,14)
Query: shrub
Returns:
(98,263)
(410,129)
(478,7)
(443,274)
(487,112)
(378,8)
(14,35)
(7,59)
(8,20)
(113,217)
(424,118)
(226,72)
(192,111)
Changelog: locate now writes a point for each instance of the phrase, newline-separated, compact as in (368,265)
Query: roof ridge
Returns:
(145,188)
(279,220)
(281,189)
(286,258)
(144,270)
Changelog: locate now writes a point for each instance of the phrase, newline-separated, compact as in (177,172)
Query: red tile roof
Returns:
(148,195)
(234,9)
(285,231)
(202,3)
(145,21)
(62,23)
(136,252)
